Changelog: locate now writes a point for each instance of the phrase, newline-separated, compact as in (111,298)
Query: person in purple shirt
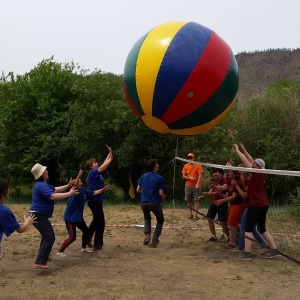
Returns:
(95,181)
(42,207)
(73,216)
(8,222)
(151,186)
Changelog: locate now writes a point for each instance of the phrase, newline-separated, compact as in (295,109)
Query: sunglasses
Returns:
(190,157)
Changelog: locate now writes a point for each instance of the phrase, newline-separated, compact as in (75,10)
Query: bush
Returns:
(19,195)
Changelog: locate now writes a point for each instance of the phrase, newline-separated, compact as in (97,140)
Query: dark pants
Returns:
(257,215)
(71,227)
(97,225)
(44,226)
(156,208)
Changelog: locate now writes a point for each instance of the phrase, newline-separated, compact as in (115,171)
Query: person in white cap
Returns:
(259,203)
(42,207)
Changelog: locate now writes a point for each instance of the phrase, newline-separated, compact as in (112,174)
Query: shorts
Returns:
(191,193)
(235,215)
(256,216)
(221,210)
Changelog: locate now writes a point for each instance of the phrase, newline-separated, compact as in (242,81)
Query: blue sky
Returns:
(99,34)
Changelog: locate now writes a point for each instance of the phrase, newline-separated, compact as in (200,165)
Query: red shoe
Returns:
(89,244)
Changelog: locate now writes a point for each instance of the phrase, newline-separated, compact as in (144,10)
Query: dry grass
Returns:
(183,266)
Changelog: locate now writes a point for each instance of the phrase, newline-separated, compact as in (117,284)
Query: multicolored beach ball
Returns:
(181,78)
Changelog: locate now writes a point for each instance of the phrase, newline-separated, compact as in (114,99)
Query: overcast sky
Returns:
(99,34)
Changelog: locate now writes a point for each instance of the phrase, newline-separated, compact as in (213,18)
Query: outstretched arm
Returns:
(60,189)
(227,199)
(247,162)
(76,184)
(27,221)
(246,153)
(107,160)
(106,188)
(60,196)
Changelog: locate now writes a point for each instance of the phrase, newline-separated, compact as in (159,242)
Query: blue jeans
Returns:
(44,226)
(97,225)
(156,208)
(256,234)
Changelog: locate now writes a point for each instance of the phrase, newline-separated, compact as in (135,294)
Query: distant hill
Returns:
(258,69)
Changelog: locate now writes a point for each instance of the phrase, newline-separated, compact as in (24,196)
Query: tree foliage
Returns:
(60,116)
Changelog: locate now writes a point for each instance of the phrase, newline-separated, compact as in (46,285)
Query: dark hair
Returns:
(3,188)
(89,164)
(221,171)
(236,173)
(151,164)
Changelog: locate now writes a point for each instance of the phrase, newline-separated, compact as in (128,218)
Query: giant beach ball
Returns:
(181,78)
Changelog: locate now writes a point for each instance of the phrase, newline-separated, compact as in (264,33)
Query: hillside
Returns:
(258,69)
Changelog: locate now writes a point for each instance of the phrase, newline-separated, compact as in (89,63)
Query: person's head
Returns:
(79,180)
(258,163)
(39,172)
(218,173)
(191,156)
(91,164)
(4,191)
(234,175)
(152,165)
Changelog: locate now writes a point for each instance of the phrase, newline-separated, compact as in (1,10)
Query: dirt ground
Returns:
(184,266)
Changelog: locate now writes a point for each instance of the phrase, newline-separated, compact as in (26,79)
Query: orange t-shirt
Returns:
(192,170)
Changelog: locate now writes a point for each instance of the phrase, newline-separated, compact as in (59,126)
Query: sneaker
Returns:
(61,254)
(190,217)
(221,236)
(245,256)
(213,238)
(87,250)
(264,250)
(147,239)
(273,253)
(236,250)
(230,246)
(195,218)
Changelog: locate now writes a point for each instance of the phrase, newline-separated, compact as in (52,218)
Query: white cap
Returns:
(260,163)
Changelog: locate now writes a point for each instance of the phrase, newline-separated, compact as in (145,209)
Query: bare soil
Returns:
(184,266)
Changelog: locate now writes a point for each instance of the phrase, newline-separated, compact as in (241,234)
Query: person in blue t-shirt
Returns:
(8,222)
(152,186)
(95,181)
(73,216)
(42,207)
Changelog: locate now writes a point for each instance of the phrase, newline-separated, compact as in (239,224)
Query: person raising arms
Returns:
(95,181)
(258,203)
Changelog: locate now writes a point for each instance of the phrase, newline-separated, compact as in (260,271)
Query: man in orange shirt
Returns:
(192,174)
